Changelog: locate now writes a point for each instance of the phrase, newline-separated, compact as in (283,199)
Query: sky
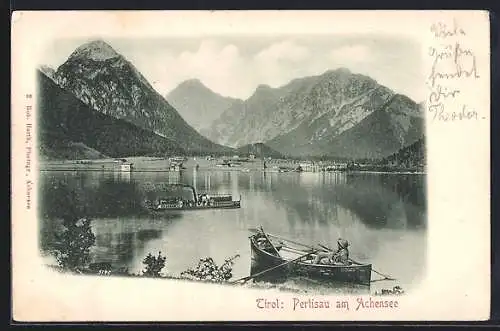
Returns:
(235,65)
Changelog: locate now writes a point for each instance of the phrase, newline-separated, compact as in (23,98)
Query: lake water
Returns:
(383,216)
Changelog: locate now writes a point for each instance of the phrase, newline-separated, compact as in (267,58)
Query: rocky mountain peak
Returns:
(190,86)
(340,71)
(197,103)
(193,82)
(107,82)
(263,90)
(97,50)
(263,87)
(47,70)
(345,75)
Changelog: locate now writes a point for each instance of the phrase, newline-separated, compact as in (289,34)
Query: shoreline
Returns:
(145,165)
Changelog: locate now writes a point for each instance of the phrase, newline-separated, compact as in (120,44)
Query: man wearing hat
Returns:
(338,256)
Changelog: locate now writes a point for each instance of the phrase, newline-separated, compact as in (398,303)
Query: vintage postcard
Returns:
(250,165)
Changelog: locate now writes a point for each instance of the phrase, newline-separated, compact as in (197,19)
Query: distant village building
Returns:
(309,166)
(126,166)
(178,159)
(337,166)
(176,166)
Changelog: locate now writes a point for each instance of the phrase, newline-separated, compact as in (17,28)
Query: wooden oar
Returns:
(270,269)
(356,262)
(270,242)
(325,247)
(291,249)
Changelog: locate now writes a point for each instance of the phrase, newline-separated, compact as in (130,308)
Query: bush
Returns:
(73,245)
(208,270)
(154,265)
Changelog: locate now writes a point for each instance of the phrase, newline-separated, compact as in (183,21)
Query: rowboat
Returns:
(280,253)
(179,197)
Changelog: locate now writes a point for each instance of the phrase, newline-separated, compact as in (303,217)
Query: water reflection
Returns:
(377,213)
(121,247)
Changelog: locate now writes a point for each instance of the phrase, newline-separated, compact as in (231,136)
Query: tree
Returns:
(154,265)
(74,243)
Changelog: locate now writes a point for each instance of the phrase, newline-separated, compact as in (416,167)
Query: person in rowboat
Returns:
(265,245)
(338,256)
(204,199)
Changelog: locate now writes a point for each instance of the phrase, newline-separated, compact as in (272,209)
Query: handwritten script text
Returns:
(451,62)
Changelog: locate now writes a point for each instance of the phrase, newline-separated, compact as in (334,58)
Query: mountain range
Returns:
(70,129)
(336,114)
(108,83)
(197,104)
(358,133)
